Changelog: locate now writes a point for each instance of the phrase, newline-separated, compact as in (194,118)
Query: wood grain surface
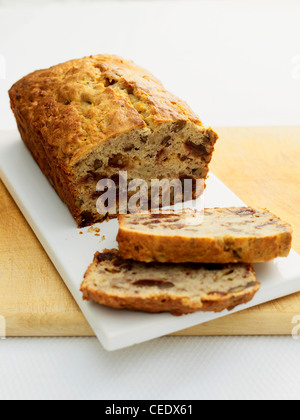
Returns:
(261,165)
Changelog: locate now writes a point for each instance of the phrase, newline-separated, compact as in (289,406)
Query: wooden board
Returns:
(261,165)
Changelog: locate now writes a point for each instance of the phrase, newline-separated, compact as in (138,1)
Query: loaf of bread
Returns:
(179,289)
(89,119)
(220,235)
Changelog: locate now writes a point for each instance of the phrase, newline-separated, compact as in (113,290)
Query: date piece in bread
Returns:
(176,288)
(222,235)
(87,119)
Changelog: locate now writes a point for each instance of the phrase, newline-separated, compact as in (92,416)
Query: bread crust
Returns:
(175,306)
(65,112)
(43,96)
(164,302)
(144,247)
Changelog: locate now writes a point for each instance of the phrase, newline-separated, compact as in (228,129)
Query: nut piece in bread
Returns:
(178,289)
(88,119)
(221,235)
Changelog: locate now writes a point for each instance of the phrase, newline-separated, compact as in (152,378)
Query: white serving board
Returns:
(71,253)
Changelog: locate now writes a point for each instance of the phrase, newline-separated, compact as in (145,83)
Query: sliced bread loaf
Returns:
(179,289)
(221,235)
(86,120)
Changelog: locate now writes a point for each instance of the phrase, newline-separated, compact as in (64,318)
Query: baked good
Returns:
(220,235)
(89,119)
(176,288)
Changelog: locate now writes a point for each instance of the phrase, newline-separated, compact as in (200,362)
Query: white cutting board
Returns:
(71,252)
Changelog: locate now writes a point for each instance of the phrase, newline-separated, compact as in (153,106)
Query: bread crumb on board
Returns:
(96,231)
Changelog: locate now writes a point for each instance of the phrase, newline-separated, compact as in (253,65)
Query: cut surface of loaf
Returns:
(219,235)
(88,119)
(179,289)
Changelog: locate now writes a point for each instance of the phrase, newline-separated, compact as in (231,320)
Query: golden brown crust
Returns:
(56,103)
(164,302)
(145,247)
(174,306)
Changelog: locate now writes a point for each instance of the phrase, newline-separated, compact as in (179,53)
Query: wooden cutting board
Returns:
(261,165)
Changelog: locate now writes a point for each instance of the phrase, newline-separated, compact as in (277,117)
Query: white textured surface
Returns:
(168,368)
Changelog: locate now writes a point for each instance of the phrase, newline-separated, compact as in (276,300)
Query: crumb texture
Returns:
(179,289)
(218,235)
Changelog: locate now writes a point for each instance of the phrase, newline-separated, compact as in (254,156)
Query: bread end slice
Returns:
(179,289)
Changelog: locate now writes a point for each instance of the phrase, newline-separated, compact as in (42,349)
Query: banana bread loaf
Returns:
(220,235)
(89,119)
(179,289)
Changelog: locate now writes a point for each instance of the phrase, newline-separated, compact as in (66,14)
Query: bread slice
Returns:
(179,289)
(221,235)
(89,119)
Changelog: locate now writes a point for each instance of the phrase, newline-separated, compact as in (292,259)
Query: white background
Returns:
(236,63)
